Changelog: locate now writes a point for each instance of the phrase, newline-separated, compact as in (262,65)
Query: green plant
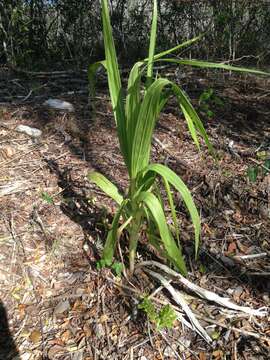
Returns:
(266,167)
(136,113)
(252,173)
(207,100)
(117,267)
(47,197)
(165,318)
(262,170)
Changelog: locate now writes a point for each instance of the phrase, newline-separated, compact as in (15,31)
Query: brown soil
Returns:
(53,222)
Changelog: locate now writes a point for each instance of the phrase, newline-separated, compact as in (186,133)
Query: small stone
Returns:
(33,132)
(230,291)
(59,105)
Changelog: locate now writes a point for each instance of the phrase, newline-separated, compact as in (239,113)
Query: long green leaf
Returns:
(147,117)
(115,86)
(152,45)
(172,207)
(133,101)
(212,65)
(112,237)
(110,53)
(180,186)
(192,117)
(152,234)
(162,54)
(173,252)
(175,48)
(106,185)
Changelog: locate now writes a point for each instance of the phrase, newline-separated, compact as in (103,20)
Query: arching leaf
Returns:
(173,252)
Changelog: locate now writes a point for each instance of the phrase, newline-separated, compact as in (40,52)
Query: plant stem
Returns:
(134,228)
(133,241)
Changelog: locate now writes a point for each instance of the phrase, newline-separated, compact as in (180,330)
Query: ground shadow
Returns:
(76,206)
(8,349)
(239,273)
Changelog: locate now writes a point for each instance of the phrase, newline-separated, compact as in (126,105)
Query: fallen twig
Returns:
(206,294)
(180,315)
(158,301)
(251,256)
(169,344)
(180,301)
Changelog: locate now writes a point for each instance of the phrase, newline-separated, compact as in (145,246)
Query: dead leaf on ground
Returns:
(232,248)
(61,307)
(35,336)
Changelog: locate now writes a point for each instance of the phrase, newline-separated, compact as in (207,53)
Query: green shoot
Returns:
(165,318)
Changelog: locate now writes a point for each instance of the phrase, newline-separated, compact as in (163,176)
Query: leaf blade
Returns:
(149,111)
(175,48)
(213,65)
(114,80)
(180,186)
(173,252)
(152,45)
(112,237)
(192,118)
(106,186)
(133,101)
(173,212)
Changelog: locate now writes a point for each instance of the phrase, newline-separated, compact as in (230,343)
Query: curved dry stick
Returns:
(180,301)
(206,294)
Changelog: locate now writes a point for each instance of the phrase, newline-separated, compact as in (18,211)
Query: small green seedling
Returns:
(117,267)
(47,198)
(202,269)
(101,264)
(215,335)
(164,318)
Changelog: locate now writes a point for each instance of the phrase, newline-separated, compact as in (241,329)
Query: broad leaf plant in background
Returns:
(136,111)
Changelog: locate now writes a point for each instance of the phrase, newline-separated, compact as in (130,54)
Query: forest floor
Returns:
(53,222)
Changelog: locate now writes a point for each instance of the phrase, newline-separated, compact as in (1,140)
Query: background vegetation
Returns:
(40,33)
